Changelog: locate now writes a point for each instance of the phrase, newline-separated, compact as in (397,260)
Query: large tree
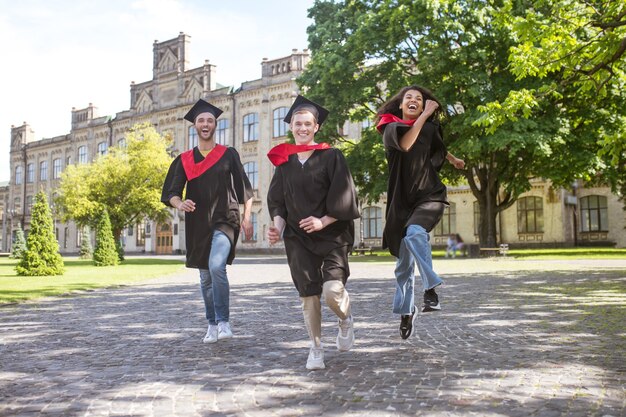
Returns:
(364,51)
(126,182)
(577,52)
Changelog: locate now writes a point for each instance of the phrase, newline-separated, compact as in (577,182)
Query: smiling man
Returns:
(312,202)
(216,185)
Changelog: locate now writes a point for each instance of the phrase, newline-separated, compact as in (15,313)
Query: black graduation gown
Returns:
(415,194)
(217,192)
(319,187)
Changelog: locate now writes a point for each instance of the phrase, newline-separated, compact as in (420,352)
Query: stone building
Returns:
(252,123)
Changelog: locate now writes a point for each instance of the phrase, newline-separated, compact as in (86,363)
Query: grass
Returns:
(555,254)
(80,275)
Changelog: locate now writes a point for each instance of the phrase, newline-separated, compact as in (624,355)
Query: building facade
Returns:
(252,123)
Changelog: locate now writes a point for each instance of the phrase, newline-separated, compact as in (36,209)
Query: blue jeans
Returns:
(214,282)
(415,247)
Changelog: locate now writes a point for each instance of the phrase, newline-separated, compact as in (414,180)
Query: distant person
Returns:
(216,185)
(451,246)
(312,202)
(416,197)
(460,245)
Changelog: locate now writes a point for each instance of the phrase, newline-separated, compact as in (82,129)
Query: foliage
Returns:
(42,256)
(19,246)
(105,253)
(576,53)
(85,244)
(365,51)
(127,181)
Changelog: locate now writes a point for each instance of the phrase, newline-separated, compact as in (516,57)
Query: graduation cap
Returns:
(202,107)
(302,103)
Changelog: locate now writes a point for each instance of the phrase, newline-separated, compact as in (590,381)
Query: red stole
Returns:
(193,170)
(387,118)
(279,154)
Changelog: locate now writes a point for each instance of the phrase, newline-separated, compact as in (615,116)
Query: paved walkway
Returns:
(515,338)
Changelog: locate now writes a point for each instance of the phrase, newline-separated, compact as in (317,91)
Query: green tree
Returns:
(126,181)
(105,253)
(19,246)
(42,256)
(365,51)
(576,52)
(85,244)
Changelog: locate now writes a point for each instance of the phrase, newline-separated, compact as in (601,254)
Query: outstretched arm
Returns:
(456,162)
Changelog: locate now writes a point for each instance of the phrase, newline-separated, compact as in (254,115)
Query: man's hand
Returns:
(187,205)
(311,224)
(273,234)
(247,228)
(458,163)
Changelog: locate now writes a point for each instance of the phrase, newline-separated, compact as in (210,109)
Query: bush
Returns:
(42,255)
(105,253)
(19,246)
(85,244)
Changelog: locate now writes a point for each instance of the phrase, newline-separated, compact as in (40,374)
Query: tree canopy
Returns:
(126,182)
(365,51)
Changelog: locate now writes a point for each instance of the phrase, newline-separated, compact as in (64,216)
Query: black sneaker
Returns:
(406,324)
(431,301)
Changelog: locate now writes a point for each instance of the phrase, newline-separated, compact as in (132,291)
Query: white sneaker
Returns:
(316,358)
(211,334)
(345,335)
(223,330)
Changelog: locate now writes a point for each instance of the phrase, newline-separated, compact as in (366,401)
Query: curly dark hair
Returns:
(392,106)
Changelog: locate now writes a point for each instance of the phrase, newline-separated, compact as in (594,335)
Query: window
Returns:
(121,143)
(68,161)
(594,216)
(43,170)
(102,148)
(253,220)
(129,232)
(66,237)
(17,204)
(372,222)
(221,132)
(447,224)
(476,218)
(530,215)
(30,172)
(82,155)
(280,127)
(141,234)
(79,237)
(56,168)
(251,170)
(29,203)
(18,174)
(250,127)
(193,137)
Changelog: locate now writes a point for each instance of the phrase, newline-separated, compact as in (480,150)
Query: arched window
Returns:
(530,215)
(372,222)
(56,168)
(121,143)
(594,216)
(252,171)
(221,132)
(193,137)
(280,127)
(251,127)
(82,155)
(30,172)
(447,224)
(43,170)
(18,174)
(102,148)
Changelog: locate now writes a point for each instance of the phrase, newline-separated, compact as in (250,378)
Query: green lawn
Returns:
(80,275)
(564,253)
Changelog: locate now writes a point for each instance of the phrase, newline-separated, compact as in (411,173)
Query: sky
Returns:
(59,54)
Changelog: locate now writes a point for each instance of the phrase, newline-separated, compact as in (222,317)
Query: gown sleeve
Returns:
(276,197)
(241,183)
(175,181)
(392,133)
(438,150)
(341,202)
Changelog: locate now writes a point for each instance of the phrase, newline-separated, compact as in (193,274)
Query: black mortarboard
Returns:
(302,103)
(202,107)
